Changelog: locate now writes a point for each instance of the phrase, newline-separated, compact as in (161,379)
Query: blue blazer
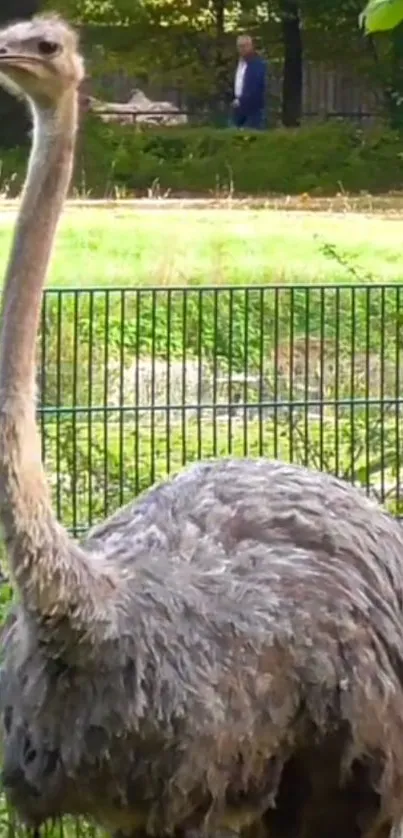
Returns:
(254,86)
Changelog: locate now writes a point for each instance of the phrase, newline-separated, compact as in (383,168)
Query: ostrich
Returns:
(226,653)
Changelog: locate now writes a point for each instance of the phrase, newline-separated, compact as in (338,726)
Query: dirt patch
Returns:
(387,205)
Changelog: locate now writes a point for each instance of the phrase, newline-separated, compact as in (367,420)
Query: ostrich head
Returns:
(40,58)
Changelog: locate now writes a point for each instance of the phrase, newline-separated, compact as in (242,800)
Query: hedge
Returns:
(115,160)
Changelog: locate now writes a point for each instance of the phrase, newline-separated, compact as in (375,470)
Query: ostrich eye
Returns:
(48,47)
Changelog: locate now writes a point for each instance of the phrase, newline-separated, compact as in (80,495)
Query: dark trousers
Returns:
(252,119)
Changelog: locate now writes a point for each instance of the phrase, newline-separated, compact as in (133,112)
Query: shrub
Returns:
(319,158)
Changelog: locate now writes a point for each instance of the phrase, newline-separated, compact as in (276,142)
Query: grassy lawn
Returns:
(109,247)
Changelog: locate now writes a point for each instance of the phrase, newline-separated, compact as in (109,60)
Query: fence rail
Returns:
(327,92)
(135,383)
(222,118)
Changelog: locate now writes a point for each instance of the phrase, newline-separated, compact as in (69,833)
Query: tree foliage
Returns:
(386,16)
(381,15)
(188,45)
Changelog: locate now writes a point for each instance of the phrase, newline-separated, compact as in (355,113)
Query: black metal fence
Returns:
(135,383)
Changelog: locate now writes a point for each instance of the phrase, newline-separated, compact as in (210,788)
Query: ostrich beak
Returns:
(14,59)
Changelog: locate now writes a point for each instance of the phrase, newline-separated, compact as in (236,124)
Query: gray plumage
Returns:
(259,612)
(223,654)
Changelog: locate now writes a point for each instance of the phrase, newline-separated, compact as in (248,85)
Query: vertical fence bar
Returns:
(200,301)
(352,383)
(43,378)
(105,400)
(398,395)
(137,317)
(121,446)
(307,376)
(367,424)
(337,351)
(230,363)
(275,371)
(246,388)
(261,369)
(168,383)
(382,324)
(322,373)
(153,406)
(215,371)
(184,374)
(58,401)
(291,377)
(90,401)
(74,487)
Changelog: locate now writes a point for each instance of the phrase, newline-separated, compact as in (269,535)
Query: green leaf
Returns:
(381,15)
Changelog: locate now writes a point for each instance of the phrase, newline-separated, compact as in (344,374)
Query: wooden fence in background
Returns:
(327,92)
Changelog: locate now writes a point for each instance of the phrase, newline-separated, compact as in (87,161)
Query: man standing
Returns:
(249,87)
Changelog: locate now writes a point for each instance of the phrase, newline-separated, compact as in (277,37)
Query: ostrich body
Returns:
(224,653)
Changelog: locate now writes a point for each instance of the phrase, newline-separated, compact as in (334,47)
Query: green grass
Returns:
(150,247)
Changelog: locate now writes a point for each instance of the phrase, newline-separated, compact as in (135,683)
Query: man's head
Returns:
(244,45)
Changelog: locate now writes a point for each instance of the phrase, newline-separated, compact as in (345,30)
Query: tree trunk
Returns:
(220,63)
(292,76)
(14,120)
(394,91)
(219,90)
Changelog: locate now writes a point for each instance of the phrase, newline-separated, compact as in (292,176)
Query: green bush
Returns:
(321,158)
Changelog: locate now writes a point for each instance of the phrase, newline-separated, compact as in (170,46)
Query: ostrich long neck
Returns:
(47,183)
(53,575)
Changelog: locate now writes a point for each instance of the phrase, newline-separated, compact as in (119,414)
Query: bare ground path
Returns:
(389,205)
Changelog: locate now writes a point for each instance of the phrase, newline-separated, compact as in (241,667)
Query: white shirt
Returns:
(239,78)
